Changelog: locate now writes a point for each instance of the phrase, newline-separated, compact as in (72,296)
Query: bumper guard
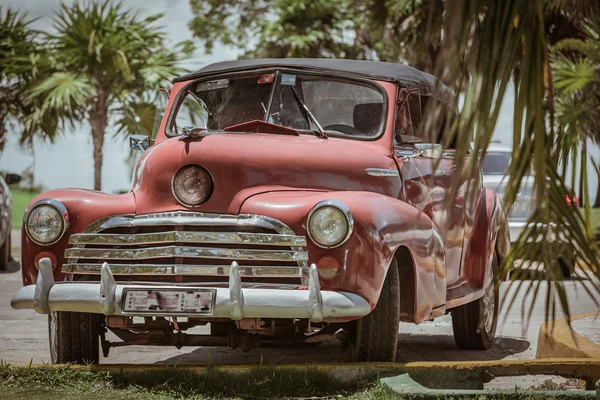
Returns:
(235,302)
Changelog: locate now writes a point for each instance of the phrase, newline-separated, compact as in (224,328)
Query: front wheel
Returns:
(5,253)
(375,336)
(474,324)
(74,337)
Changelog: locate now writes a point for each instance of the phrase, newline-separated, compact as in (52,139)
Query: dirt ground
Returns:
(23,336)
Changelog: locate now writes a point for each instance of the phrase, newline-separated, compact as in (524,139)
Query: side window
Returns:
(423,118)
(191,113)
(438,118)
(408,128)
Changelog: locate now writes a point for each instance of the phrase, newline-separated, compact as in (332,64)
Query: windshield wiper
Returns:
(320,132)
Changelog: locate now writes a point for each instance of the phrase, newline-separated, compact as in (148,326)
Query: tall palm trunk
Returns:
(99,121)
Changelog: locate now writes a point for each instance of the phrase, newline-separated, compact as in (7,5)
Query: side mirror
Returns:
(139,142)
(11,179)
(429,149)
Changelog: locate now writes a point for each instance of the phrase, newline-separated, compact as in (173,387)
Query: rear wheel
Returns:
(375,336)
(74,337)
(474,324)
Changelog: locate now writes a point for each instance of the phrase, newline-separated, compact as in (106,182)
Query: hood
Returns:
(243,165)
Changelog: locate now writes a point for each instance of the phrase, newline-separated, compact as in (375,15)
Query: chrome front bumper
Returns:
(235,301)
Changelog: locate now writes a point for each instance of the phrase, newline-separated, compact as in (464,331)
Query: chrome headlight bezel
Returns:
(206,196)
(58,206)
(344,210)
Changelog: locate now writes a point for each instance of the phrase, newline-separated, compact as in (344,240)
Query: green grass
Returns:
(67,382)
(20,200)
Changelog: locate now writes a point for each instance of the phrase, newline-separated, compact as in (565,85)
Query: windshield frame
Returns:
(178,101)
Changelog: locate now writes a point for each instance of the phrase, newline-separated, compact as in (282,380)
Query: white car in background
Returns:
(495,165)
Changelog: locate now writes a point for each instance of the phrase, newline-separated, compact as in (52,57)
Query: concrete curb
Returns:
(474,374)
(463,374)
(418,380)
(409,388)
(348,372)
(557,340)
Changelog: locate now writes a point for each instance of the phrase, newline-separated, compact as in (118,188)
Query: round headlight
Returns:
(330,224)
(46,222)
(192,185)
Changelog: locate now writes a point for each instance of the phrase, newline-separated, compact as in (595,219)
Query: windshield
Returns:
(341,107)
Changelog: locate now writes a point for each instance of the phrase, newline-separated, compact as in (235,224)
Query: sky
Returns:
(68,161)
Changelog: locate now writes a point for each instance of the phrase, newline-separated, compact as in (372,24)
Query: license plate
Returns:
(171,301)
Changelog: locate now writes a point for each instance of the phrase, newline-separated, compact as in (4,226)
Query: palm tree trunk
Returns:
(99,121)
(581,177)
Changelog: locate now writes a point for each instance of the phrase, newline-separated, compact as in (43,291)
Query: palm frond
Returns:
(574,45)
(571,76)
(63,91)
(500,42)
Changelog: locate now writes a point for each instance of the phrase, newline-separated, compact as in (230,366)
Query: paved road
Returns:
(23,336)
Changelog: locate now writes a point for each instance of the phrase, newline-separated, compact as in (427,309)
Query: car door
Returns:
(428,176)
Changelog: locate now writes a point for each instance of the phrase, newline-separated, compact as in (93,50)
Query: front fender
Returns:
(84,207)
(382,225)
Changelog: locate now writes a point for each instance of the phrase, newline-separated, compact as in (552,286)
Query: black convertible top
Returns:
(399,73)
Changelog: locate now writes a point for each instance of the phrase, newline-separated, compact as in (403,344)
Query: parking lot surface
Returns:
(23,335)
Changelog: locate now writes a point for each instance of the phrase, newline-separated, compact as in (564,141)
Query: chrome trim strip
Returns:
(179,218)
(188,237)
(187,269)
(314,304)
(185,251)
(382,172)
(340,206)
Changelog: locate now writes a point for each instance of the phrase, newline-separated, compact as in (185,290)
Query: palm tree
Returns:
(102,60)
(18,46)
(577,82)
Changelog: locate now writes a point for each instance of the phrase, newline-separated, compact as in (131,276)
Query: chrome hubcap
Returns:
(489,302)
(53,328)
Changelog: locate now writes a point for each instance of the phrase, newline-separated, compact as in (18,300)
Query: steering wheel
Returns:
(345,129)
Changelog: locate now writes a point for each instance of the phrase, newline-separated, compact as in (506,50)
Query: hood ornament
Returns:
(193,132)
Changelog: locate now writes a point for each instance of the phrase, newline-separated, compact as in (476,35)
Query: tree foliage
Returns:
(19,48)
(277,28)
(100,64)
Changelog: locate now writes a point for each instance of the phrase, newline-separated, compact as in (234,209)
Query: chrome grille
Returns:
(185,243)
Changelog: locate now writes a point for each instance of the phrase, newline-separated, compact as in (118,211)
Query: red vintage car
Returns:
(285,202)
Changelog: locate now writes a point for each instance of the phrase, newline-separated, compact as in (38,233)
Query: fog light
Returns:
(192,185)
(328,267)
